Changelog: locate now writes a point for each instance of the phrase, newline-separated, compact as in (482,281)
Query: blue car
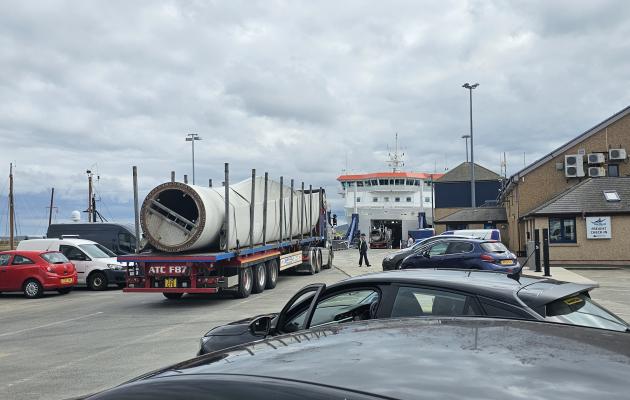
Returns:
(465,254)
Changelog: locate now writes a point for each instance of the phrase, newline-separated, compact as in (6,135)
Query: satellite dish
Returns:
(76,216)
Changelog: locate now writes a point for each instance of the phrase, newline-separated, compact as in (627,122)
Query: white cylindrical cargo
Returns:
(179,217)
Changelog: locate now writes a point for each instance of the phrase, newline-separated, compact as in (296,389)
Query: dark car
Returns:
(393,260)
(464,254)
(411,358)
(411,293)
(119,238)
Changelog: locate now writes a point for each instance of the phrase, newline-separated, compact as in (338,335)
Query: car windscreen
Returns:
(494,247)
(96,251)
(581,310)
(106,250)
(55,258)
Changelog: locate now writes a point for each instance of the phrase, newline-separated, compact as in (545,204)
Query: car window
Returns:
(494,247)
(415,302)
(438,249)
(125,242)
(459,247)
(21,260)
(502,310)
(581,310)
(72,253)
(342,307)
(55,258)
(95,250)
(4,259)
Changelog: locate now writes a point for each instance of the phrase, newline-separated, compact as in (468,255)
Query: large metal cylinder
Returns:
(180,217)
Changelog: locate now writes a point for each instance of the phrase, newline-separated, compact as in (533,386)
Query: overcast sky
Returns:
(290,87)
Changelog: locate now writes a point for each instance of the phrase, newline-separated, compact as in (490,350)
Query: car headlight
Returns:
(115,267)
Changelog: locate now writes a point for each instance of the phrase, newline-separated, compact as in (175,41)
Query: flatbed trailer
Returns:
(250,270)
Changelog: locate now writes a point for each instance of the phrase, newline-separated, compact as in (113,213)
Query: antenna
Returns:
(395,160)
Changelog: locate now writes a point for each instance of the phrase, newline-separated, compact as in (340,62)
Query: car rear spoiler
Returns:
(540,293)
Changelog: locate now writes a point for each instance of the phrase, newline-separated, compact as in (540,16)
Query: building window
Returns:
(374,182)
(562,230)
(613,170)
(410,182)
(456,227)
(386,199)
(397,199)
(428,183)
(358,199)
(360,183)
(408,199)
(400,181)
(383,182)
(427,199)
(367,183)
(374,199)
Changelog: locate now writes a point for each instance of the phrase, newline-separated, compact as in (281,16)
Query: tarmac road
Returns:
(62,346)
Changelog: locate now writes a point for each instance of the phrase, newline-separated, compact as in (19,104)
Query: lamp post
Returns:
(472,151)
(191,138)
(466,138)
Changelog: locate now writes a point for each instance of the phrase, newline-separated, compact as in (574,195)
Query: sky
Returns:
(300,89)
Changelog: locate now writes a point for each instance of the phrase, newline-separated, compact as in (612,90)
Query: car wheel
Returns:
(173,296)
(64,290)
(312,260)
(97,281)
(260,278)
(245,283)
(272,274)
(33,289)
(319,260)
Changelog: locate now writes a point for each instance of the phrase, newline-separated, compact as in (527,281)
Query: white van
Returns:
(96,265)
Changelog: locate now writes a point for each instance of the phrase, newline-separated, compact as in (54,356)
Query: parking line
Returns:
(51,324)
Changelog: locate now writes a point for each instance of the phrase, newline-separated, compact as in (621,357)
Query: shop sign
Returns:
(598,228)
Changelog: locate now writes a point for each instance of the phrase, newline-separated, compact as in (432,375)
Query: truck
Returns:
(233,239)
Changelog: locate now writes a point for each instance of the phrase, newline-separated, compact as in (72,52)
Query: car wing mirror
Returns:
(261,326)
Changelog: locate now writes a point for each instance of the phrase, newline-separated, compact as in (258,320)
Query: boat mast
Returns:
(396,159)
(11,208)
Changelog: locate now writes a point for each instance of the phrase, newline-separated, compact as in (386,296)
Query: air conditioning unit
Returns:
(596,158)
(574,166)
(617,154)
(595,172)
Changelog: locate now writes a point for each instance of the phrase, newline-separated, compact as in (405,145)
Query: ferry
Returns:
(386,206)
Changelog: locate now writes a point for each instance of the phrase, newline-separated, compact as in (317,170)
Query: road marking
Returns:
(51,324)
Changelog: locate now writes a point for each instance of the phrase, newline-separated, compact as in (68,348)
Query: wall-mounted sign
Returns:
(598,228)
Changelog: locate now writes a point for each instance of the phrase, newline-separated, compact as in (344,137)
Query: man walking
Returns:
(363,248)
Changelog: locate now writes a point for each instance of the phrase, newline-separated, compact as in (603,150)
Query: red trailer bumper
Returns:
(171,290)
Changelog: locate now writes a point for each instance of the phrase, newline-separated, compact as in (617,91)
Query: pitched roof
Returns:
(376,175)
(587,197)
(480,214)
(461,173)
(562,149)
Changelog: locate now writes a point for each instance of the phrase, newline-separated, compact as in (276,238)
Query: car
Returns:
(421,293)
(409,358)
(119,238)
(96,265)
(464,254)
(393,260)
(33,272)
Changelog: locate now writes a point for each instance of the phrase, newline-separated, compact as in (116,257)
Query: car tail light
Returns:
(487,257)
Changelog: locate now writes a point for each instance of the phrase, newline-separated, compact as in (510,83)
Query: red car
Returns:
(32,272)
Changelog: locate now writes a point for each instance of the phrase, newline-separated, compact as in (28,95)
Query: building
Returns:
(393,200)
(588,223)
(452,197)
(599,152)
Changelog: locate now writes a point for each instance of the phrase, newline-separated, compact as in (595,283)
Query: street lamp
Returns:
(472,151)
(466,138)
(191,138)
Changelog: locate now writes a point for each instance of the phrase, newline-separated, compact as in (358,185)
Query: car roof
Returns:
(28,252)
(76,241)
(535,291)
(431,358)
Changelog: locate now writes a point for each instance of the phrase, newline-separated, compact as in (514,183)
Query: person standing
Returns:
(410,241)
(363,248)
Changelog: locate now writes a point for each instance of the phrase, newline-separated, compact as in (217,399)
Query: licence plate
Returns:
(507,262)
(67,280)
(170,282)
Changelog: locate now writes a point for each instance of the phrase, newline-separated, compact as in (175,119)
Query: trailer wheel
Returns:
(312,261)
(260,278)
(173,296)
(330,259)
(245,282)
(320,260)
(272,274)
